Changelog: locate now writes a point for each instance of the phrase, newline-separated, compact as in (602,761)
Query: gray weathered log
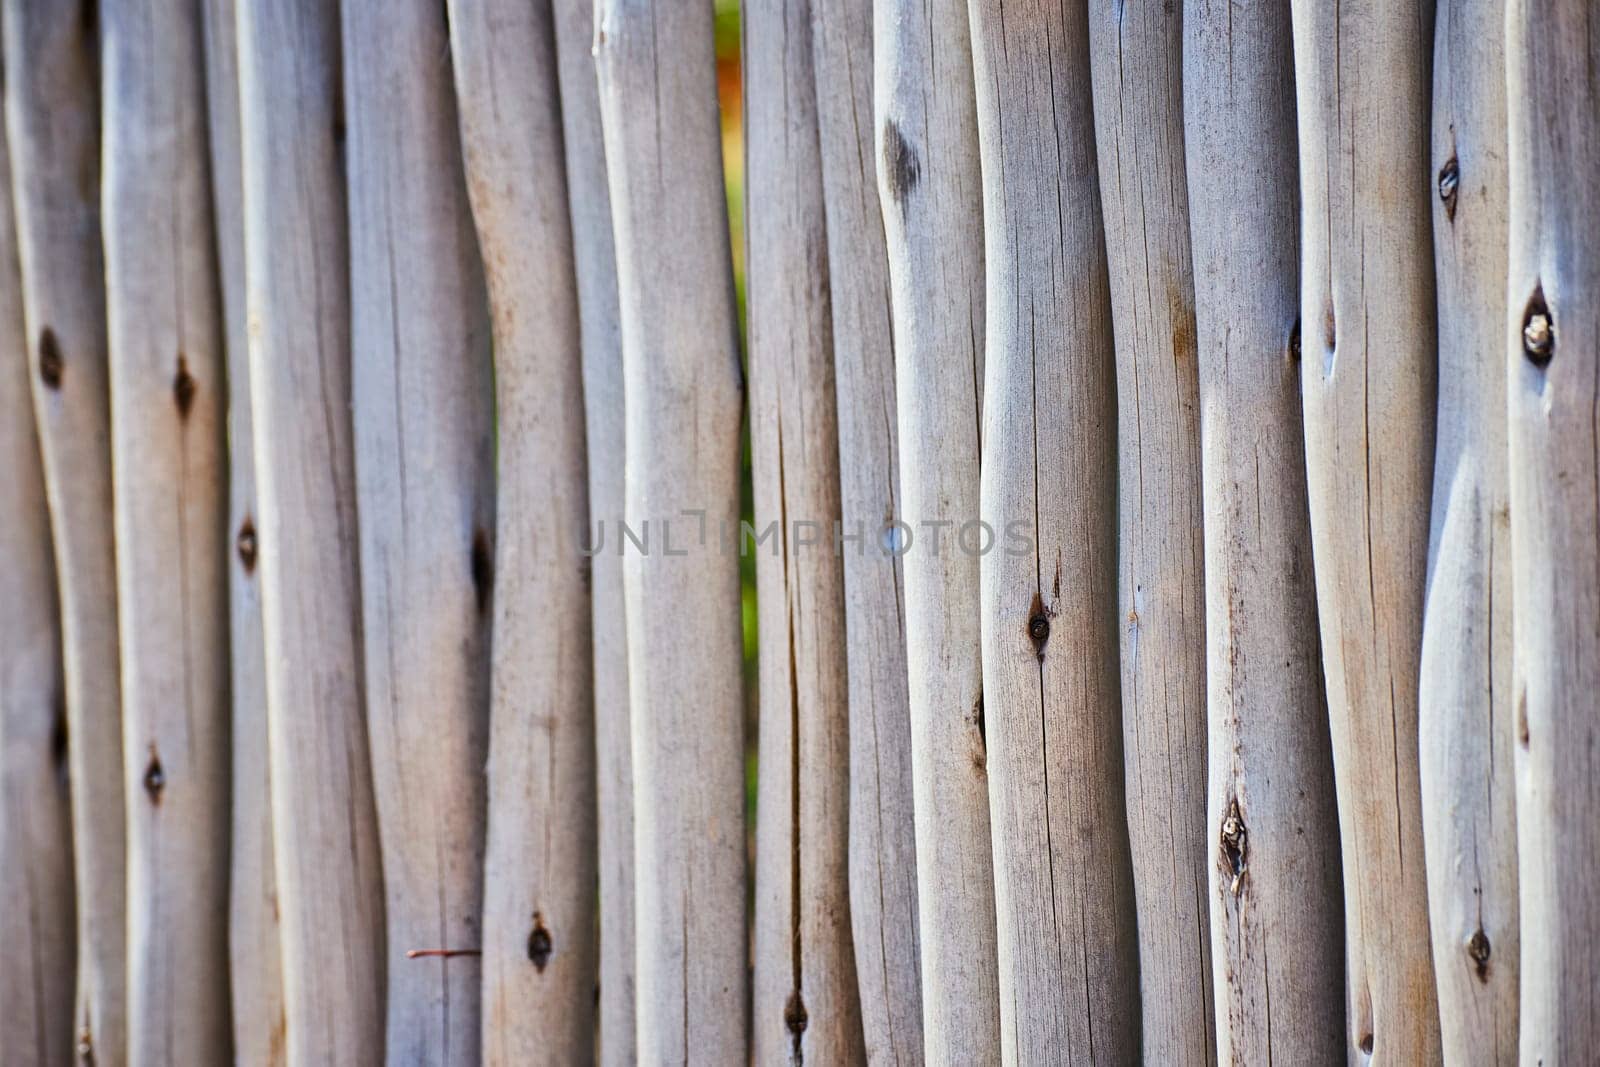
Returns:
(325,836)
(539,947)
(36,924)
(926,129)
(1276,918)
(53,124)
(1466,721)
(1553,335)
(805,1005)
(1063,880)
(1368,375)
(883,846)
(1136,58)
(658,105)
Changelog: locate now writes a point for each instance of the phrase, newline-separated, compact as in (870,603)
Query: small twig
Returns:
(445,953)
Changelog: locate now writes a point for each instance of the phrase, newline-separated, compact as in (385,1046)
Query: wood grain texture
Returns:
(1136,59)
(599,322)
(1553,341)
(325,835)
(883,845)
(254,957)
(805,1005)
(539,962)
(929,183)
(423,408)
(1368,379)
(35,804)
(1465,717)
(1277,922)
(682,396)
(53,124)
(1063,886)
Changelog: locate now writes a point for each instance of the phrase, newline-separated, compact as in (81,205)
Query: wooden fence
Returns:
(1158,413)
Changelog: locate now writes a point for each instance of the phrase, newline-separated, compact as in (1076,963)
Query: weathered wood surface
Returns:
(539,945)
(681,383)
(1272,834)
(594,258)
(53,123)
(1068,948)
(1553,337)
(168,407)
(1136,58)
(423,409)
(805,1005)
(36,924)
(325,836)
(882,846)
(1368,375)
(1465,717)
(926,129)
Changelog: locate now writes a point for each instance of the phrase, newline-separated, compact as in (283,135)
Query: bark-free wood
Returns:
(681,387)
(36,924)
(423,412)
(804,985)
(168,405)
(325,837)
(1063,881)
(1367,314)
(1466,720)
(926,129)
(1553,335)
(52,119)
(1273,870)
(594,257)
(539,943)
(255,966)
(1136,58)
(883,846)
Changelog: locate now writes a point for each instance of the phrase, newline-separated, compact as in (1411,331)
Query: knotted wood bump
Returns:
(540,944)
(50,361)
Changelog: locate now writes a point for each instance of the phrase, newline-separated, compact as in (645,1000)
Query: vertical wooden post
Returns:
(1136,58)
(1466,719)
(1553,334)
(1273,847)
(36,924)
(883,845)
(168,405)
(325,836)
(682,391)
(805,1001)
(595,260)
(52,119)
(929,189)
(1367,314)
(539,942)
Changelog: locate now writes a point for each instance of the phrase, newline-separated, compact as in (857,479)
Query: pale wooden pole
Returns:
(1553,336)
(682,394)
(1272,864)
(53,123)
(1063,879)
(255,970)
(926,127)
(539,945)
(883,846)
(423,408)
(1136,58)
(599,321)
(325,835)
(36,924)
(168,406)
(1466,718)
(805,1004)
(1367,376)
